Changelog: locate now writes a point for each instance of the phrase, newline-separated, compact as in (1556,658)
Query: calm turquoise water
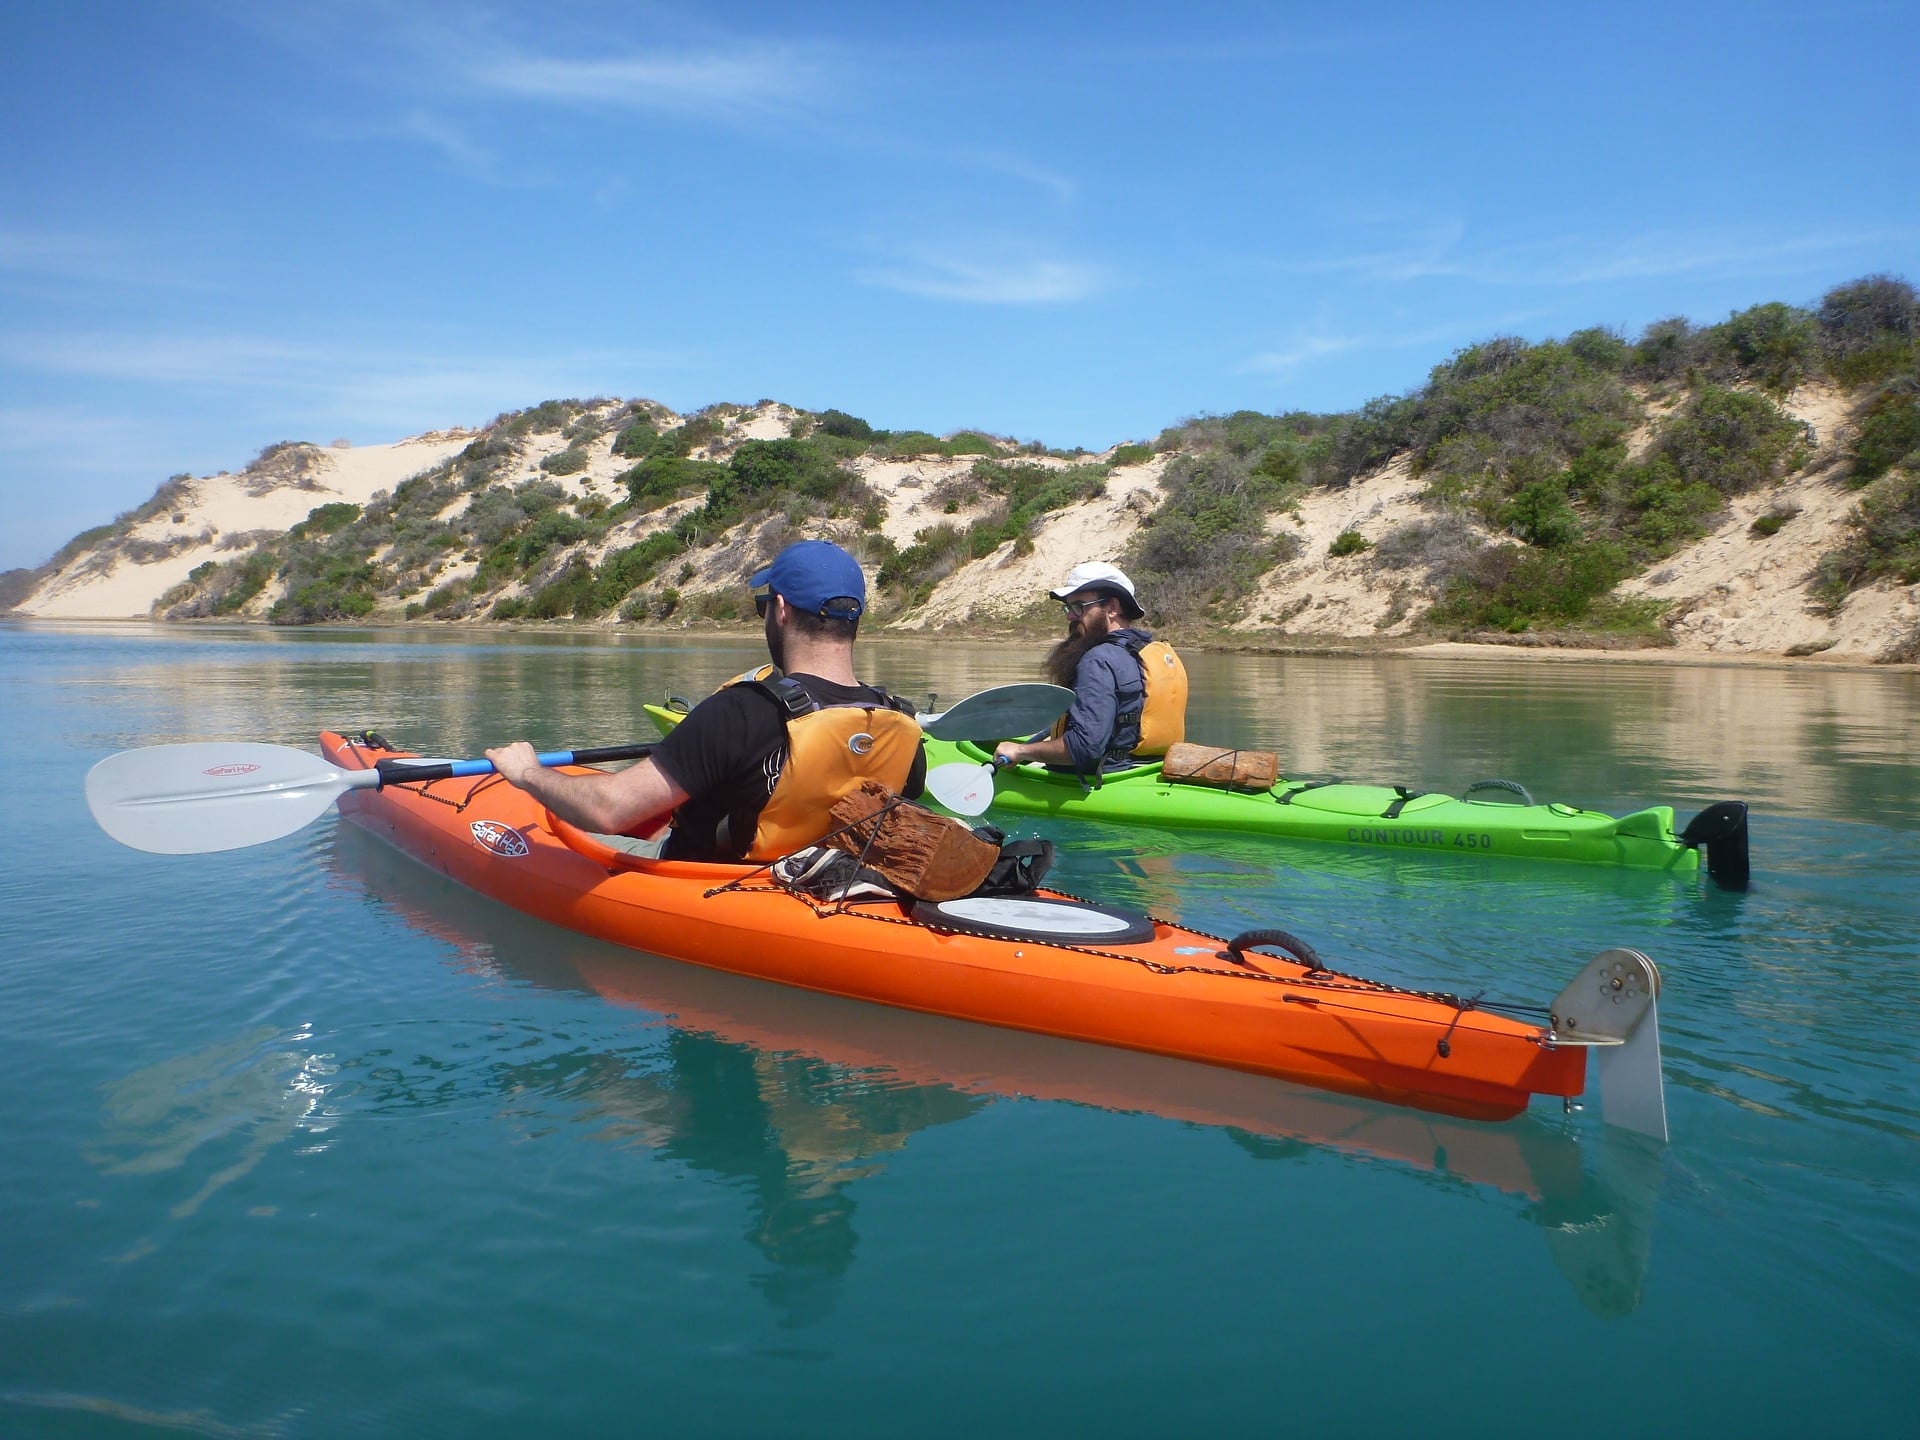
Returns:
(304,1141)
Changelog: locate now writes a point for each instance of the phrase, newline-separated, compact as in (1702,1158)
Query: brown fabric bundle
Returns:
(1224,769)
(929,856)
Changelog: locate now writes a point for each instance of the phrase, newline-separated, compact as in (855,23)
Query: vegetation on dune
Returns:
(1017,494)
(1208,543)
(1549,472)
(1552,470)
(1882,541)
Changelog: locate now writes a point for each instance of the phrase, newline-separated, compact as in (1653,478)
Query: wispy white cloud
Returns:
(84,440)
(1297,353)
(736,81)
(438,133)
(1015,167)
(1441,252)
(231,361)
(1284,360)
(82,256)
(984,281)
(342,385)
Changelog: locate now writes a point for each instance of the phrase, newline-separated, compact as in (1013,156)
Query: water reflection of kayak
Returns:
(1063,969)
(1502,821)
(842,1085)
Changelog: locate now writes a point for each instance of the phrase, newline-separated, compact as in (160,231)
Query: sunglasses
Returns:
(1077,607)
(762,598)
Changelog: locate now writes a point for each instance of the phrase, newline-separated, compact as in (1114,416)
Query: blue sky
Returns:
(223,225)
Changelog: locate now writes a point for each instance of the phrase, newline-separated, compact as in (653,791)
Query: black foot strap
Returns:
(1392,812)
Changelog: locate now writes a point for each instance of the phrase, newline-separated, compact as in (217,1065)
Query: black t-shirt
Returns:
(727,755)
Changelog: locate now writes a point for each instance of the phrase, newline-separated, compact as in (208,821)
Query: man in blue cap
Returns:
(754,770)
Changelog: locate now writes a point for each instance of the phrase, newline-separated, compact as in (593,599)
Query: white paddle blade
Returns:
(962,788)
(1007,712)
(194,799)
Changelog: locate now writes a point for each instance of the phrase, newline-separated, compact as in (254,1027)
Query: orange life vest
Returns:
(830,750)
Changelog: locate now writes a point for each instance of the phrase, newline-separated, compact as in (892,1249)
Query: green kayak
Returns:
(1495,817)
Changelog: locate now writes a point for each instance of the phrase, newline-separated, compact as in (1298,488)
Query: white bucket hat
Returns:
(1098,574)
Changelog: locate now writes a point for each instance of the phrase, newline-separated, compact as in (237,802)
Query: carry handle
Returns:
(1279,939)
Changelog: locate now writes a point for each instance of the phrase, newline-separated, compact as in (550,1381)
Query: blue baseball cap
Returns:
(811,575)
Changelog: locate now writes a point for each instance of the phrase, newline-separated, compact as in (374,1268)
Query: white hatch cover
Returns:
(1022,918)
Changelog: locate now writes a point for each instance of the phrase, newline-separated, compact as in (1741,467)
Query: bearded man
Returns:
(1129,690)
(755,769)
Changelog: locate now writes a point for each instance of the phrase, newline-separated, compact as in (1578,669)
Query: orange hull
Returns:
(1174,995)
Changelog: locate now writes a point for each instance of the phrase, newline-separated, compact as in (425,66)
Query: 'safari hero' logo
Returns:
(507,843)
(231,770)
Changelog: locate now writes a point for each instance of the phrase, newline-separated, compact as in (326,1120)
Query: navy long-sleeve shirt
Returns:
(1109,691)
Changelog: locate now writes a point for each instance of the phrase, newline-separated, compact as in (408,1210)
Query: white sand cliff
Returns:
(1732,593)
(214,519)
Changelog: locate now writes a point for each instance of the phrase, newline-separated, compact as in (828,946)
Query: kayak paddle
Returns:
(217,795)
(1005,712)
(963,788)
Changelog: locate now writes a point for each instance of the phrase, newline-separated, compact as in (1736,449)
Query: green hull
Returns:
(1380,817)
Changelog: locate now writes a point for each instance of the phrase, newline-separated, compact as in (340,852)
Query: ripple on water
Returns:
(306,1140)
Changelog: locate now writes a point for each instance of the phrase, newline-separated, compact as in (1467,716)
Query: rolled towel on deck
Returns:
(929,856)
(1222,769)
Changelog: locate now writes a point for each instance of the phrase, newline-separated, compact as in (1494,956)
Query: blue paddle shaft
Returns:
(392,771)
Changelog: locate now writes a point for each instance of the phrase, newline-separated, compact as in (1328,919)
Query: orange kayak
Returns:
(1156,987)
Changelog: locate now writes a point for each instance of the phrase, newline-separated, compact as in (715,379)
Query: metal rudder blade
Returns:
(1612,1005)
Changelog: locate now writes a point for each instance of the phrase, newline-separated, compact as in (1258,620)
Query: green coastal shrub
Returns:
(635,442)
(570,461)
(843,425)
(907,444)
(1022,493)
(1541,514)
(1206,546)
(553,529)
(1882,541)
(1348,542)
(1666,350)
(1889,435)
(1774,345)
(323,587)
(662,480)
(249,577)
(1733,440)
(1511,587)
(1870,329)
(765,466)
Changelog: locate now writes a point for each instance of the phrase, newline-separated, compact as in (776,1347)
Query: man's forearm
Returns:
(1051,751)
(582,800)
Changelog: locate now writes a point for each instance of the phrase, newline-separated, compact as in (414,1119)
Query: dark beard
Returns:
(1063,661)
(776,644)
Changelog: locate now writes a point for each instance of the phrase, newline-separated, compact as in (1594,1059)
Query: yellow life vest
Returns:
(830,750)
(1163,712)
(1163,718)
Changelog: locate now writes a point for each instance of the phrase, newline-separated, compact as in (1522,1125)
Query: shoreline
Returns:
(1213,642)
